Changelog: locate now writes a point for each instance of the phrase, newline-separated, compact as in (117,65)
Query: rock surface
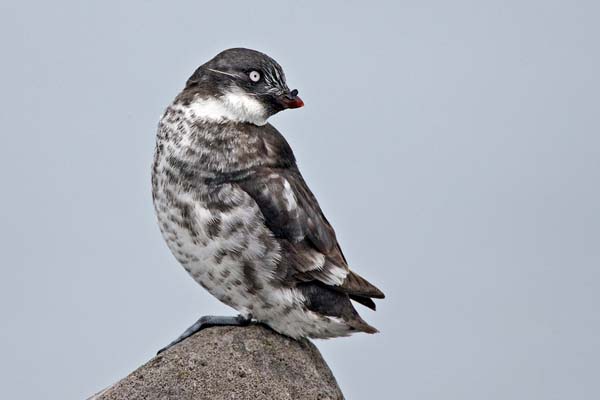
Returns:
(231,363)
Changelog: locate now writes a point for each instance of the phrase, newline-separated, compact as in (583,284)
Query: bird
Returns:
(236,212)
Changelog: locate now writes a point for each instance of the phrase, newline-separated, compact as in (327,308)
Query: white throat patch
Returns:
(234,106)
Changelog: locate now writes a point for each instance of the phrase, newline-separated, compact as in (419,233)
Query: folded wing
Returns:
(309,243)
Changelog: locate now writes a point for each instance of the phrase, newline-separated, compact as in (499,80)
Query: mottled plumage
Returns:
(236,212)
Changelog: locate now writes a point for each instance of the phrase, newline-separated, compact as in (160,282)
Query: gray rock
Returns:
(231,363)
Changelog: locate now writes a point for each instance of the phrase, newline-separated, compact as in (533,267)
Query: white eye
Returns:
(255,76)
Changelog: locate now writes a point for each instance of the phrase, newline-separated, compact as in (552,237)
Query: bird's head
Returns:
(240,85)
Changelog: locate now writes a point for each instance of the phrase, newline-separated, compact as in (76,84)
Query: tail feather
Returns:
(361,325)
(365,301)
(327,301)
(359,286)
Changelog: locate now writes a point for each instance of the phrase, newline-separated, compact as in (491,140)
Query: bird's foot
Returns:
(206,322)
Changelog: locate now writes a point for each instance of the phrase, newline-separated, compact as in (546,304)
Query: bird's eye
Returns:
(254,76)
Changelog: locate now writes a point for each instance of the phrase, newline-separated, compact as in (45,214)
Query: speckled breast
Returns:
(216,232)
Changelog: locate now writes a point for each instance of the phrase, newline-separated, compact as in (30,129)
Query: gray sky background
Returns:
(453,145)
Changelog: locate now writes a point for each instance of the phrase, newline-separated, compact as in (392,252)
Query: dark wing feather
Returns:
(290,209)
(292,213)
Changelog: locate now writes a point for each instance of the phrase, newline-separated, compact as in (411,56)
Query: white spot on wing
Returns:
(335,277)
(288,195)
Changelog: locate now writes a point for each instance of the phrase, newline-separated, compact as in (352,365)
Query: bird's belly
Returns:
(228,250)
